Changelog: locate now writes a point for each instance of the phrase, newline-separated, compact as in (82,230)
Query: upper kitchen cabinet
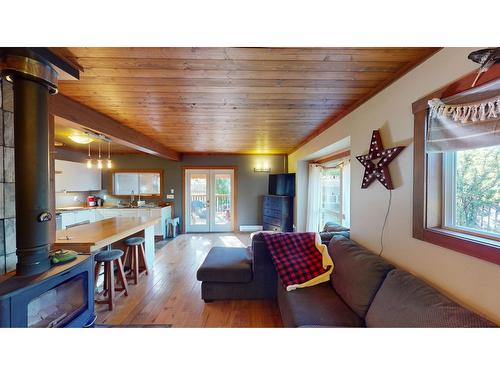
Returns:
(71,176)
(146,182)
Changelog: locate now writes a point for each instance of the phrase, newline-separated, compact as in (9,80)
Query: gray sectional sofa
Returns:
(364,291)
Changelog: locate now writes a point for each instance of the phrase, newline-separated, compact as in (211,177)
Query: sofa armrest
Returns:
(261,257)
(263,266)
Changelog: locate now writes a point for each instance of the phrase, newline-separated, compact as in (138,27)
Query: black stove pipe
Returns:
(31,135)
(33,80)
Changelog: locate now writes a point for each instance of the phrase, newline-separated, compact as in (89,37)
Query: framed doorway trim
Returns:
(235,195)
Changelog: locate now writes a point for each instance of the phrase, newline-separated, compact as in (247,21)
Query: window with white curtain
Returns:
(328,194)
(334,194)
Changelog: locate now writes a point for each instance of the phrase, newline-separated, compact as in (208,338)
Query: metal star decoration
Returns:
(379,171)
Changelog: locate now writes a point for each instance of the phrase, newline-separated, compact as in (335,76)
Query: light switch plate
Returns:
(170,196)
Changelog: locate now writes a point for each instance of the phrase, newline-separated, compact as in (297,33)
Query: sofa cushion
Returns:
(358,273)
(326,237)
(405,301)
(227,264)
(318,305)
(333,227)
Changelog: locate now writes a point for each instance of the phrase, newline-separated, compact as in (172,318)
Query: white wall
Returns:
(470,281)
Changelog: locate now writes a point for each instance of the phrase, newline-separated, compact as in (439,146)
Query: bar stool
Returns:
(135,258)
(109,258)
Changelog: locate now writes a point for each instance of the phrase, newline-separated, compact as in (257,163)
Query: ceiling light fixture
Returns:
(99,161)
(81,139)
(109,164)
(89,160)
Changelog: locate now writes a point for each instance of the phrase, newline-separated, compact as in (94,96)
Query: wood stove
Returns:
(60,297)
(38,294)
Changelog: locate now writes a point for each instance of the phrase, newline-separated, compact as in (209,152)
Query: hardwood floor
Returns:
(170,294)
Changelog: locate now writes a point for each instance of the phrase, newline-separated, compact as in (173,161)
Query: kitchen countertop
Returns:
(92,237)
(75,208)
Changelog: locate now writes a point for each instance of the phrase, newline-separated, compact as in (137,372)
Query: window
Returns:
(328,192)
(472,191)
(334,189)
(456,167)
(147,183)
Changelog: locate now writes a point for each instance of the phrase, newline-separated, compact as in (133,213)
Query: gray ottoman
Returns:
(227,273)
(226,265)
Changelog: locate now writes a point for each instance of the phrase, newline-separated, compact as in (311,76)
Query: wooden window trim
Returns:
(162,181)
(336,156)
(467,244)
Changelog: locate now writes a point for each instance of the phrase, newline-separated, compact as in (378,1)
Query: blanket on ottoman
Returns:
(301,260)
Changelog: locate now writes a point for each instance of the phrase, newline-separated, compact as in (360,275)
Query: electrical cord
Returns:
(385,222)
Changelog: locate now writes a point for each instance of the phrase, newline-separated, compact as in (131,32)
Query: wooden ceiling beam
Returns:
(62,106)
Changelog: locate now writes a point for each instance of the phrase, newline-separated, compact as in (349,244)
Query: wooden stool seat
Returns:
(109,258)
(137,257)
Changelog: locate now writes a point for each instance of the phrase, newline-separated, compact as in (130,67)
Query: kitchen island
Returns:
(69,216)
(93,237)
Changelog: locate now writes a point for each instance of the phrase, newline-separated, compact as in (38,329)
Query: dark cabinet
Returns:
(277,213)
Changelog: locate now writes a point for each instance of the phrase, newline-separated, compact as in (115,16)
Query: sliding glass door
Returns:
(209,200)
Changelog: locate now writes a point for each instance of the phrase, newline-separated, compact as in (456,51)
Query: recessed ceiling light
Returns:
(82,139)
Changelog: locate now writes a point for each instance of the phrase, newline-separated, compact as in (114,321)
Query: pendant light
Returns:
(89,160)
(109,164)
(99,161)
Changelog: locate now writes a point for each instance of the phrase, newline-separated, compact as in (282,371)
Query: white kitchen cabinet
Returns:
(77,217)
(160,212)
(72,176)
(135,183)
(67,218)
(96,214)
(84,215)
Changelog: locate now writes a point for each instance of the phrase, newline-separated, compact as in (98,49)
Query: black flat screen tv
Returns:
(282,184)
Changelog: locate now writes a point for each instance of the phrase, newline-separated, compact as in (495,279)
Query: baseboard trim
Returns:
(250,228)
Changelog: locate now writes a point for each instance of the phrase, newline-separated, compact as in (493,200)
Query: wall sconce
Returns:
(262,167)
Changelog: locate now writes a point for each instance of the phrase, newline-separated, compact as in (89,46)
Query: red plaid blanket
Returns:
(298,258)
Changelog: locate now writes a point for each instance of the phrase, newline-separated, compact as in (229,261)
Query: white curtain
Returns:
(313,198)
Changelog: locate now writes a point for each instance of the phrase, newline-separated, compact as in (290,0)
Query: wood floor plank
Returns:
(170,294)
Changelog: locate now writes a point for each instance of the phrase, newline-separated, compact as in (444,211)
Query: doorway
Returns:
(209,203)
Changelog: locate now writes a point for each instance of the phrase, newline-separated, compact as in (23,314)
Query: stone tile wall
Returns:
(8,257)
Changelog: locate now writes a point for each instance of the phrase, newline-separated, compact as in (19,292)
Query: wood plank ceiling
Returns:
(233,100)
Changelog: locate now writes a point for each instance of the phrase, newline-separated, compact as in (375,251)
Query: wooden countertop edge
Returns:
(96,245)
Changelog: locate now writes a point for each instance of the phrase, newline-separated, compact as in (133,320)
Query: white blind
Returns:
(457,124)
